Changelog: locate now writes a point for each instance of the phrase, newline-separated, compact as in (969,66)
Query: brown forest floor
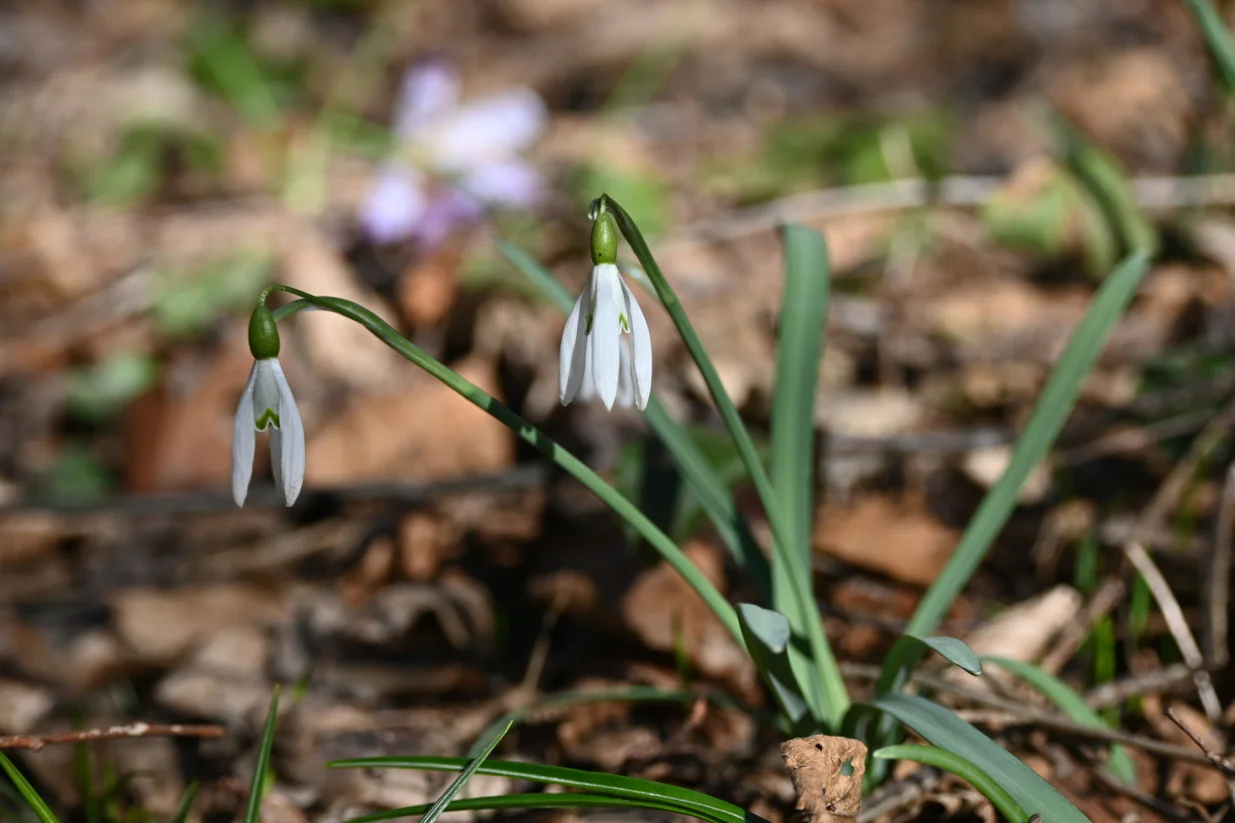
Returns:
(436,573)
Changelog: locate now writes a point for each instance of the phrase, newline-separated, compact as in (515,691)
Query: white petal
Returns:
(626,377)
(265,393)
(243,437)
(587,391)
(290,448)
(276,457)
(570,360)
(641,348)
(603,340)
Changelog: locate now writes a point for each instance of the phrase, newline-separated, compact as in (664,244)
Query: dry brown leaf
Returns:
(336,348)
(421,431)
(899,538)
(816,765)
(157,626)
(25,536)
(661,608)
(425,539)
(426,293)
(1104,92)
(371,573)
(178,434)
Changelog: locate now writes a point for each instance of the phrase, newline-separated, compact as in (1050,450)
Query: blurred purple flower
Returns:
(455,160)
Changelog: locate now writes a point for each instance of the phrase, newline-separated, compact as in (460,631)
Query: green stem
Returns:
(529,433)
(825,691)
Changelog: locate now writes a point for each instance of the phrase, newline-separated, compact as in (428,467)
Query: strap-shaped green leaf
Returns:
(1073,705)
(943,728)
(620,786)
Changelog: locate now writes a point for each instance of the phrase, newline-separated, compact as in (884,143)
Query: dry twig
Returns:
(34,742)
(1219,762)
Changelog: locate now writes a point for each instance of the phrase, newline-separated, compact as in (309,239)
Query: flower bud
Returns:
(263,334)
(604,239)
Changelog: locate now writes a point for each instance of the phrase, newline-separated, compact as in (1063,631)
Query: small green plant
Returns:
(606,353)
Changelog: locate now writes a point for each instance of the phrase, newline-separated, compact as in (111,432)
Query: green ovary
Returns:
(268,416)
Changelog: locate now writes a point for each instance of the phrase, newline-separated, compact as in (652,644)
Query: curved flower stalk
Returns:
(453,160)
(606,347)
(267,403)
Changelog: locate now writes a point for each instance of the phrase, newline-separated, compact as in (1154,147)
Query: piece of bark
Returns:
(827,776)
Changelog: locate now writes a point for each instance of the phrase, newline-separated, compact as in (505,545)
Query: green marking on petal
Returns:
(589,325)
(268,416)
(623,323)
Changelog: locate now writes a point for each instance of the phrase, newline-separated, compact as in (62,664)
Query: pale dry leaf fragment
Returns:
(827,776)
(1021,632)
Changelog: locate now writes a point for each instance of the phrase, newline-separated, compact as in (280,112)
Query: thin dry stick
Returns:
(1154,193)
(1220,763)
(34,742)
(1011,716)
(1177,624)
(1119,691)
(1218,588)
(1165,499)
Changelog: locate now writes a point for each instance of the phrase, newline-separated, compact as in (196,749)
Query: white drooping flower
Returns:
(606,348)
(267,404)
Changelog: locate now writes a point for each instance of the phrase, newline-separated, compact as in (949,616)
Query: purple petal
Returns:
(490,129)
(429,90)
(394,206)
(510,183)
(446,211)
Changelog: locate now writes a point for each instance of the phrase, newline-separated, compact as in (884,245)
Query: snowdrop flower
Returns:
(267,400)
(455,160)
(606,349)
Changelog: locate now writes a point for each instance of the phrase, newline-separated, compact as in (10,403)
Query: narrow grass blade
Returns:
(90,800)
(632,694)
(456,786)
(253,811)
(568,800)
(186,803)
(1106,182)
(767,638)
(1053,408)
(612,785)
(803,316)
(827,685)
(577,469)
(27,791)
(943,728)
(1217,38)
(710,488)
(1071,704)
(962,768)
